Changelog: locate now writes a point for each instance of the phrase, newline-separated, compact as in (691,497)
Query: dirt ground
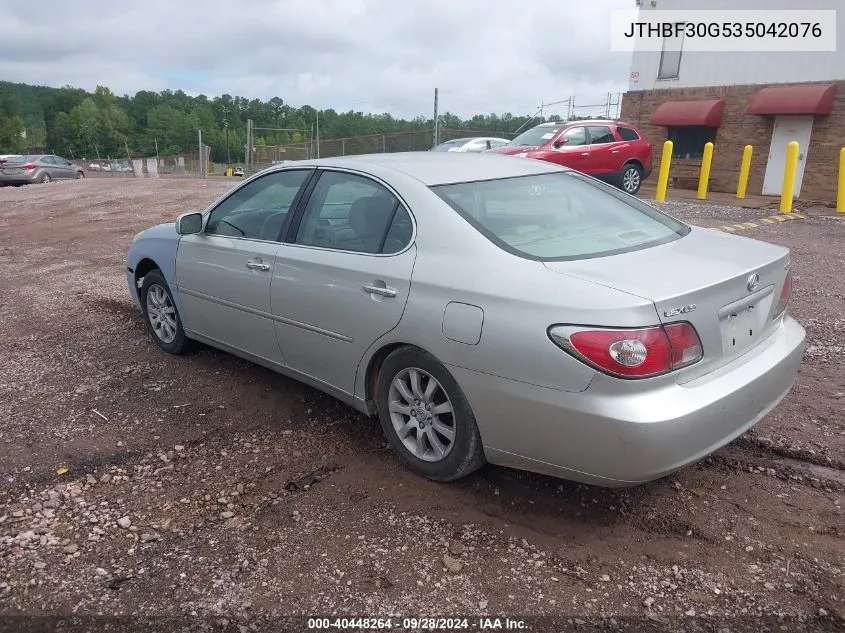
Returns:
(204,491)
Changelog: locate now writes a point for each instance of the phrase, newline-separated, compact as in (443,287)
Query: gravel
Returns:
(214,489)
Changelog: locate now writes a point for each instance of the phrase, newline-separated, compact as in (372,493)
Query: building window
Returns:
(670,57)
(689,141)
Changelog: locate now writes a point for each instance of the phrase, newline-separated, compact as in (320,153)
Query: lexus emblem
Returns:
(753,282)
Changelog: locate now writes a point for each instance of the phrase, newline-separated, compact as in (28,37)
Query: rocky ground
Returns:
(204,491)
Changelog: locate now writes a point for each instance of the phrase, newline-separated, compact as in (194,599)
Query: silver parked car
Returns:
(43,168)
(485,309)
(472,144)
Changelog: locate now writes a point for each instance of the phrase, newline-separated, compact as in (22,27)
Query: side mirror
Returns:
(560,142)
(189,223)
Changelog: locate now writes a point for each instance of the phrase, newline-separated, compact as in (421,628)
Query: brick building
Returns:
(764,99)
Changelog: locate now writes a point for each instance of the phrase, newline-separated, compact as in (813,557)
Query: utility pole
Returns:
(436,136)
(318,132)
(202,157)
(228,154)
(248,145)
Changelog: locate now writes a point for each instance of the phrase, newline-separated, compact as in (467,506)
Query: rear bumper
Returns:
(19,180)
(623,433)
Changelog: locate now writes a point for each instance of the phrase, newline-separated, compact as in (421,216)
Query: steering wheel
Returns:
(266,222)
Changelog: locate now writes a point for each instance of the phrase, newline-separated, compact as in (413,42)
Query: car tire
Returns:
(45,178)
(631,178)
(450,446)
(80,175)
(161,315)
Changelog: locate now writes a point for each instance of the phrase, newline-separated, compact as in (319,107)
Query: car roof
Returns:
(440,168)
(581,122)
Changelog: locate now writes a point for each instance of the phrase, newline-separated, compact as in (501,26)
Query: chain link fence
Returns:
(415,141)
(263,156)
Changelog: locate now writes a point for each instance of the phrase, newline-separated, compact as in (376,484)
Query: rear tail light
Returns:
(785,294)
(29,166)
(632,353)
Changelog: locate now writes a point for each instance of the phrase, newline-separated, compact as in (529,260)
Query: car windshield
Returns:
(539,135)
(445,147)
(559,216)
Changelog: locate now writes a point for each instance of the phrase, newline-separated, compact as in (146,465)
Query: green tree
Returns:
(11,135)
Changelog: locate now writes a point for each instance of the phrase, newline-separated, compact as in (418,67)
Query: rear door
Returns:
(224,273)
(343,277)
(605,155)
(49,165)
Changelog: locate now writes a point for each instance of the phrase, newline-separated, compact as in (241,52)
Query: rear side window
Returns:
(352,213)
(627,134)
(559,216)
(601,134)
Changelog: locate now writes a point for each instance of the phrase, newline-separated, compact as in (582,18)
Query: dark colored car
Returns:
(615,152)
(43,168)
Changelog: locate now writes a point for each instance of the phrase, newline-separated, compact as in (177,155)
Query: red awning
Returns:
(808,99)
(681,113)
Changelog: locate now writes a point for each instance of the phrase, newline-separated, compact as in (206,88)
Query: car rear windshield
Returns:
(560,216)
(536,136)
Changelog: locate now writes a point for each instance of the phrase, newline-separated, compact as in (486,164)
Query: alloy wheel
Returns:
(631,180)
(161,314)
(422,414)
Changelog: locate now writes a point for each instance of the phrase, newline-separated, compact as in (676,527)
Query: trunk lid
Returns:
(703,278)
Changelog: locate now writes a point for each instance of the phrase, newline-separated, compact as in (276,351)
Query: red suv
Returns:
(615,152)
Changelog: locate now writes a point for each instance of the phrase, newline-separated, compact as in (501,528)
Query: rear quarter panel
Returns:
(520,300)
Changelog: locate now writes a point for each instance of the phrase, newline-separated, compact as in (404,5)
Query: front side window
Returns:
(575,136)
(352,213)
(600,135)
(559,216)
(258,209)
(689,141)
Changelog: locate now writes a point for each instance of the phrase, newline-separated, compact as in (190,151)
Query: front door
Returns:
(575,151)
(224,273)
(343,279)
(787,128)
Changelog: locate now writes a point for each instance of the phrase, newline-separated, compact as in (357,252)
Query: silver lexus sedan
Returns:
(486,309)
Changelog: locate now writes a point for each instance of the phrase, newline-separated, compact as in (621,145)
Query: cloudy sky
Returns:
(371,55)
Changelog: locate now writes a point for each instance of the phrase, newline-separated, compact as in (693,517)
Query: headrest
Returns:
(368,216)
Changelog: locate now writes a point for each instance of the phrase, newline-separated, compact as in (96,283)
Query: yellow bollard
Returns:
(663,177)
(704,178)
(744,170)
(788,193)
(840,195)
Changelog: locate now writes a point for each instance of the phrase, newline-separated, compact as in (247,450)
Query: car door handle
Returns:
(380,290)
(616,151)
(258,265)
(585,153)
